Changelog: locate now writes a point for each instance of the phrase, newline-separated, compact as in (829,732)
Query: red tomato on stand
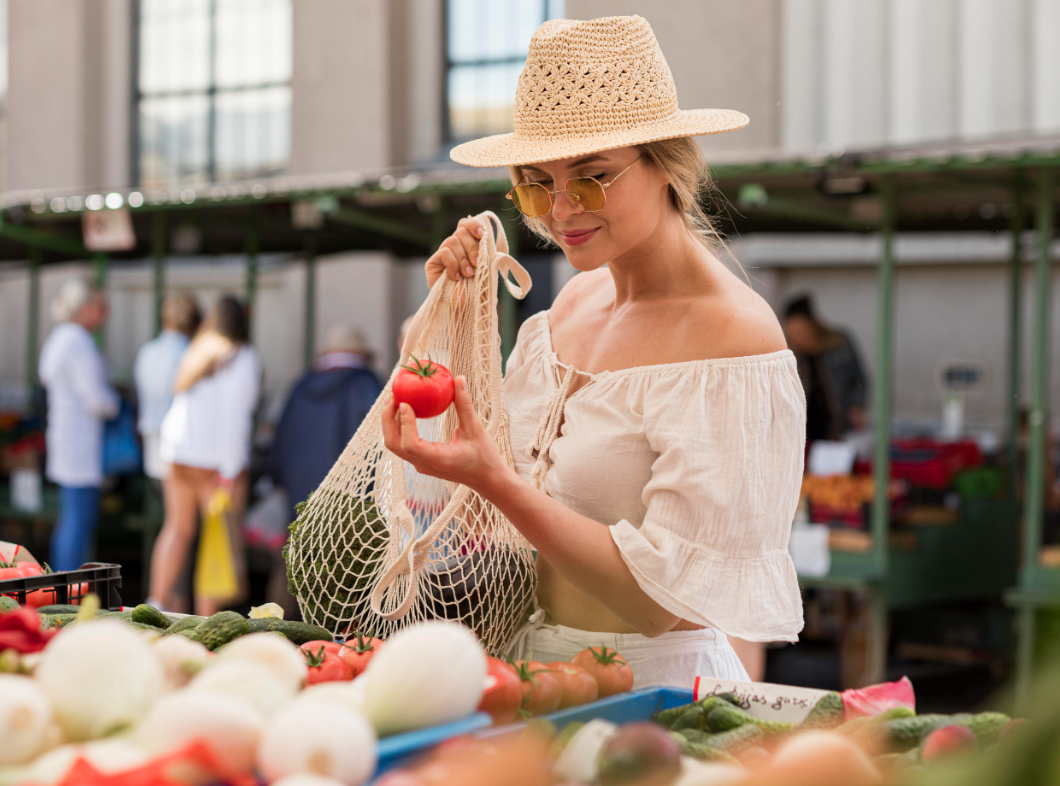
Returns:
(426,386)
(610,669)
(504,692)
(360,653)
(541,691)
(324,666)
(577,686)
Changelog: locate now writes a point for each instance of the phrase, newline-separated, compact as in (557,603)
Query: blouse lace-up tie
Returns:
(548,429)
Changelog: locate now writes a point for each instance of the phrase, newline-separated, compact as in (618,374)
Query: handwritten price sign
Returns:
(762,699)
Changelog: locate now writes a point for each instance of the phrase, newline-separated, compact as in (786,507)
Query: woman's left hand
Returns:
(470,458)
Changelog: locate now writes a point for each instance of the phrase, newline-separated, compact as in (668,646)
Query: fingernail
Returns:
(468,271)
(478,232)
(463,383)
(404,408)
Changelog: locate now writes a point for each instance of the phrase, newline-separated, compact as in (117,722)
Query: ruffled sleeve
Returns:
(723,492)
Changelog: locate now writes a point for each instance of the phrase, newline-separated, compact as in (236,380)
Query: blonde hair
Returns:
(74,294)
(180,312)
(222,333)
(682,162)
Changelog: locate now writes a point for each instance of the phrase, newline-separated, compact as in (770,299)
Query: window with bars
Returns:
(486,47)
(213,90)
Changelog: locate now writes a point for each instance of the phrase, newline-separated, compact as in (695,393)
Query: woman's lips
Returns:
(575,237)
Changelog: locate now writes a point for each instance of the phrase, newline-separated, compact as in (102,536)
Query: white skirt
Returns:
(672,660)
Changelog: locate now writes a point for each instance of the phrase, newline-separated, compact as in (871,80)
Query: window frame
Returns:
(210,92)
(449,64)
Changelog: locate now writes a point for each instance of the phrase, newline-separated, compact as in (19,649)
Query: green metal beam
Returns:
(883,381)
(381,226)
(158,252)
(42,240)
(754,198)
(100,269)
(1034,499)
(958,163)
(251,245)
(1015,345)
(33,325)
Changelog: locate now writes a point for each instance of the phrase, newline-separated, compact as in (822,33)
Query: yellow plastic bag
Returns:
(215,570)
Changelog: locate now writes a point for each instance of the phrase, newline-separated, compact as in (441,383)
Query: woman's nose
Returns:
(563,207)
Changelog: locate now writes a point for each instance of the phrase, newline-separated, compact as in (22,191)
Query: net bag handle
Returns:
(493,248)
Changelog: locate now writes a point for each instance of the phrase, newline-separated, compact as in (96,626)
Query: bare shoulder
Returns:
(741,323)
(577,291)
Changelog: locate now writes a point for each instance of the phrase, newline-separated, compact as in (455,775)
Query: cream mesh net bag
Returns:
(379,546)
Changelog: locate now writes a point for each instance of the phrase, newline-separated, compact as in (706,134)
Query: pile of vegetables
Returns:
(716,741)
(174,700)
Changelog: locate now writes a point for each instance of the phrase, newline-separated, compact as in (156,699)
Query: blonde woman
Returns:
(205,439)
(660,492)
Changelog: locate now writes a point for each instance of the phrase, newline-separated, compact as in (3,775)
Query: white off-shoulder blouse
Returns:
(695,466)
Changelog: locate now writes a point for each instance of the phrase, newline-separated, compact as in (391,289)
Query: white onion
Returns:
(430,673)
(346,694)
(181,659)
(304,779)
(107,756)
(272,650)
(24,718)
(100,677)
(247,681)
(317,738)
(230,727)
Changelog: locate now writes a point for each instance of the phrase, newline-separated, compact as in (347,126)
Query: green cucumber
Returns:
(7,604)
(827,713)
(698,745)
(221,628)
(50,621)
(692,718)
(297,632)
(727,718)
(149,615)
(669,717)
(731,742)
(59,608)
(191,622)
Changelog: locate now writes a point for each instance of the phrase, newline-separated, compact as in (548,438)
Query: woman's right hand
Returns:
(457,256)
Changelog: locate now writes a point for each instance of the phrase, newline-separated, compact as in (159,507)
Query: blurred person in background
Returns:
(155,371)
(831,372)
(205,438)
(323,411)
(80,399)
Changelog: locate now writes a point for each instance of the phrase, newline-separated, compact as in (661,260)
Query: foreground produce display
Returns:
(143,697)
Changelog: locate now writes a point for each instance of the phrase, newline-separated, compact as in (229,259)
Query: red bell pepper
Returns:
(20,630)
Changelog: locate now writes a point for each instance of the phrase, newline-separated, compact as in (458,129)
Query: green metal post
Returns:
(158,251)
(33,326)
(883,381)
(309,337)
(506,303)
(100,265)
(1015,294)
(251,246)
(1026,626)
(1034,501)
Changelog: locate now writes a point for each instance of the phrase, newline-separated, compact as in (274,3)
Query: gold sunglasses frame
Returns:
(552,202)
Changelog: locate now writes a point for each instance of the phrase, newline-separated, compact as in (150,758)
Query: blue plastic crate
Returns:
(401,748)
(638,705)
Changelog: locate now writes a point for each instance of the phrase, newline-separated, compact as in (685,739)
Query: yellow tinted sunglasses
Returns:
(533,200)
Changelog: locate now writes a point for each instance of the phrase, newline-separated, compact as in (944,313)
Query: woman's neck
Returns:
(669,262)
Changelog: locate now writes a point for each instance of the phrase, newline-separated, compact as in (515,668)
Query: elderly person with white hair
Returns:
(80,399)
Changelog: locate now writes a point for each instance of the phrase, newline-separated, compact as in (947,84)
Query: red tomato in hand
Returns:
(425,386)
(610,669)
(358,654)
(541,691)
(504,692)
(324,666)
(577,686)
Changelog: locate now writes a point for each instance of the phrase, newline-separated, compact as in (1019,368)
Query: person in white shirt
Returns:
(80,399)
(156,370)
(205,439)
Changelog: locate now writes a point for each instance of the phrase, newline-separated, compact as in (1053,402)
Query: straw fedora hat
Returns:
(591,86)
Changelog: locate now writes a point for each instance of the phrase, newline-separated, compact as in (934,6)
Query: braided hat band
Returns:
(590,86)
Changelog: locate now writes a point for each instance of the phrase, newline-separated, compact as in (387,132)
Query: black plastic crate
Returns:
(70,586)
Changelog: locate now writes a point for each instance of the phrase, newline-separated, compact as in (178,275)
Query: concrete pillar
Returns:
(993,67)
(855,72)
(923,55)
(801,75)
(1045,81)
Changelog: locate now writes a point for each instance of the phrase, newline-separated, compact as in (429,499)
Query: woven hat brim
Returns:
(513,150)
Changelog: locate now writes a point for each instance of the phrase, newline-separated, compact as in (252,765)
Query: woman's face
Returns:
(635,204)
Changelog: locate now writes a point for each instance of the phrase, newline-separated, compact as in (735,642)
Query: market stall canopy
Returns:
(948,186)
